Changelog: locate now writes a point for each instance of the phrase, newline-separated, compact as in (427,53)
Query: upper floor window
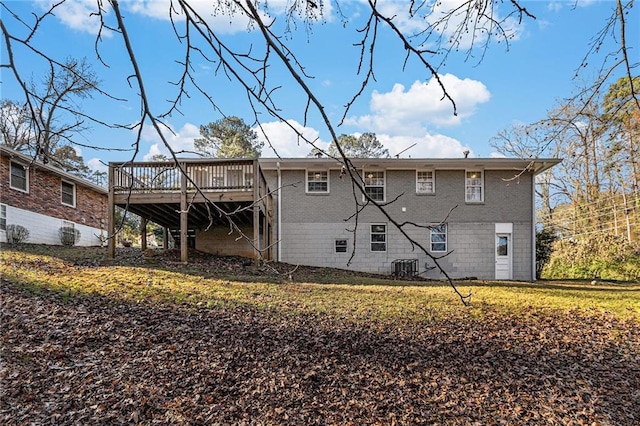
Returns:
(19,177)
(425,182)
(3,217)
(474,187)
(318,182)
(378,237)
(374,185)
(68,193)
(439,237)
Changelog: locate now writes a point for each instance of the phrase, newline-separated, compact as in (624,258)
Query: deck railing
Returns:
(205,175)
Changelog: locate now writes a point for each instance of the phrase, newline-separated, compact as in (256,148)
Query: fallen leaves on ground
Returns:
(93,360)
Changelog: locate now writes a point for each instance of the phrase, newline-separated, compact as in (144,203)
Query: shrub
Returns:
(17,234)
(544,249)
(68,236)
(599,256)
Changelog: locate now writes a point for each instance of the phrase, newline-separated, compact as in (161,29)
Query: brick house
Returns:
(43,198)
(480,212)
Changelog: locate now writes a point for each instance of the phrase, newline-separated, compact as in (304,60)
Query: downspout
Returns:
(533,226)
(279,212)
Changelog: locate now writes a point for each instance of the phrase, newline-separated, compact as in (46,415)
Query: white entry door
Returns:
(503,257)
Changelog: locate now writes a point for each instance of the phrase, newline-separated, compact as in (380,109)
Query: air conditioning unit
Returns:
(401,268)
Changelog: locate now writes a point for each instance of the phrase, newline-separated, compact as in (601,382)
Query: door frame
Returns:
(504,230)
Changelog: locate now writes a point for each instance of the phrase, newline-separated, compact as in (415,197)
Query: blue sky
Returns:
(513,85)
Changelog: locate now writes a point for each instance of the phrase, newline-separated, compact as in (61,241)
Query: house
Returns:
(476,216)
(43,199)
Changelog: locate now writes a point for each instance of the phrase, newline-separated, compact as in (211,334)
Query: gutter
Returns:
(533,227)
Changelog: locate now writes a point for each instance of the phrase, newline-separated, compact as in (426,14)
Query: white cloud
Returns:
(225,16)
(447,19)
(285,141)
(179,141)
(426,146)
(97,165)
(407,112)
(79,15)
(287,144)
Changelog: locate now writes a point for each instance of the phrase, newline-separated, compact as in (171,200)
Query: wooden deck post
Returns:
(111,210)
(256,212)
(165,239)
(184,217)
(143,233)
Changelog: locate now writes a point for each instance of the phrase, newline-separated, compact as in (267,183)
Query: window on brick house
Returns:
(378,237)
(374,185)
(3,217)
(474,187)
(19,177)
(439,237)
(425,182)
(317,182)
(68,194)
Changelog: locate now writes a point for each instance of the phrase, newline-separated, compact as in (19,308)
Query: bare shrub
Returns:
(68,236)
(17,234)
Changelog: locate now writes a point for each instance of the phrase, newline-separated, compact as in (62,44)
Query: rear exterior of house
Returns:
(43,199)
(481,213)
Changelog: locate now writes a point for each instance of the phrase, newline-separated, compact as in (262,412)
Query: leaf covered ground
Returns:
(303,353)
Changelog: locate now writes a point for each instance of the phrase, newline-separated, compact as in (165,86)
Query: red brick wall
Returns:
(44,197)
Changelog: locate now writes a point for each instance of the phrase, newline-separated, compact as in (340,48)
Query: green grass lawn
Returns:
(356,296)
(139,340)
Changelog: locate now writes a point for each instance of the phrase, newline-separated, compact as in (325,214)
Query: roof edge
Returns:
(8,152)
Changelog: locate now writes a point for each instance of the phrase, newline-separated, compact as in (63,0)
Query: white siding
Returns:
(44,229)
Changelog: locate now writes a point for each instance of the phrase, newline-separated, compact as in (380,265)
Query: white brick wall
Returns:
(472,245)
(44,229)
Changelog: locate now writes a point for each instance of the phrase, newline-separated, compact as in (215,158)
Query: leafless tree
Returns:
(468,28)
(15,126)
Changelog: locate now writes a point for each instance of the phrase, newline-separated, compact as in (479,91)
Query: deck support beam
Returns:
(111,213)
(143,233)
(256,212)
(184,216)
(165,238)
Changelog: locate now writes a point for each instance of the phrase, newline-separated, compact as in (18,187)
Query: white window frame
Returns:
(371,237)
(73,193)
(431,180)
(368,176)
(341,246)
(468,186)
(312,177)
(440,229)
(3,217)
(26,178)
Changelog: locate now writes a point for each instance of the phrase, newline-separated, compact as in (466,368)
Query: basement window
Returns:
(378,237)
(439,238)
(3,217)
(341,246)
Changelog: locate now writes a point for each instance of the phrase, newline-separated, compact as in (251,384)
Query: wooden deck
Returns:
(194,194)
